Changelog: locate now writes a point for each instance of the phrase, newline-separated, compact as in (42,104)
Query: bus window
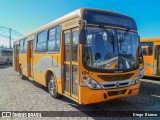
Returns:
(41,41)
(25,45)
(140,55)
(147,48)
(67,40)
(75,45)
(35,42)
(21,46)
(54,39)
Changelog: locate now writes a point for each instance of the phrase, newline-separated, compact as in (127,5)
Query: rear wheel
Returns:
(52,87)
(20,72)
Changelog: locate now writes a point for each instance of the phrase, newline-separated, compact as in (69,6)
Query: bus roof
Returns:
(150,40)
(76,13)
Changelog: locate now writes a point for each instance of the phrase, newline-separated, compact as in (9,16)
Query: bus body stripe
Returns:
(48,62)
(148,65)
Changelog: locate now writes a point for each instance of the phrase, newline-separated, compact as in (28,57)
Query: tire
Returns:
(7,62)
(52,87)
(20,72)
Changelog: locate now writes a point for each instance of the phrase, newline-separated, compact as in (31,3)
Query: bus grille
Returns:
(116,77)
(113,84)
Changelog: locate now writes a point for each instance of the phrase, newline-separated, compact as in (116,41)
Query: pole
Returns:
(10,30)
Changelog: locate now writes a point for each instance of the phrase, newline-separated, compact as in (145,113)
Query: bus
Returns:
(88,55)
(5,55)
(151,53)
(141,61)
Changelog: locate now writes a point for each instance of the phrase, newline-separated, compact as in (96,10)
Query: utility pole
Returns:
(10,33)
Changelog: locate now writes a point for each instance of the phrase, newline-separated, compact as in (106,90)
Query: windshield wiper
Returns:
(125,34)
(106,30)
(108,34)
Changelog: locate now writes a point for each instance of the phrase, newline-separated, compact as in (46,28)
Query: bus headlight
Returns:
(141,72)
(90,82)
(136,79)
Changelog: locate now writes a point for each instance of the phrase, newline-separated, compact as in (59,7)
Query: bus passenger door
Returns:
(30,58)
(16,57)
(71,63)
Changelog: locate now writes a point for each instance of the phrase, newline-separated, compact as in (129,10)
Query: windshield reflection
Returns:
(110,50)
(128,49)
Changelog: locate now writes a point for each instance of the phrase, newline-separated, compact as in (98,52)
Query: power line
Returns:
(9,33)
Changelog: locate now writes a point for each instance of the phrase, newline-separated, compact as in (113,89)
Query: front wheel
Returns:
(52,87)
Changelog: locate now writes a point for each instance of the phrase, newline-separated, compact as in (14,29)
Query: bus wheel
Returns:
(7,62)
(52,87)
(20,72)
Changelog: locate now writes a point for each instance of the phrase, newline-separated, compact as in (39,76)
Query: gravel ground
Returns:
(23,95)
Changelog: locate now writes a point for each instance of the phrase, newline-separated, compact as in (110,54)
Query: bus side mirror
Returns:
(139,38)
(82,36)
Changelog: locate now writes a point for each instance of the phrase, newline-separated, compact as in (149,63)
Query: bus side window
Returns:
(25,45)
(35,43)
(21,46)
(147,48)
(75,45)
(140,55)
(54,39)
(41,41)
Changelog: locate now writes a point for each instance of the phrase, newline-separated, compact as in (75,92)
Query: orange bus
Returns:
(151,52)
(88,55)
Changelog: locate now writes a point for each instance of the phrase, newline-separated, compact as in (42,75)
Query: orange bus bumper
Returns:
(94,96)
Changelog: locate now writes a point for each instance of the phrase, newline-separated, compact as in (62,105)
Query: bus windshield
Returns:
(111,50)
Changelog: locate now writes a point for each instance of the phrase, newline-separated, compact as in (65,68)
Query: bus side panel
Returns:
(38,73)
(44,62)
(148,65)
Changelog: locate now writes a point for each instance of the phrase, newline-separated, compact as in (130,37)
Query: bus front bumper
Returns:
(94,96)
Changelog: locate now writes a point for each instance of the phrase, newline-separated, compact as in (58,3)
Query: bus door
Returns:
(158,59)
(71,63)
(16,57)
(30,58)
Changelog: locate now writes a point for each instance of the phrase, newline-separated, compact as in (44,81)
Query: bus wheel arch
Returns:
(51,84)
